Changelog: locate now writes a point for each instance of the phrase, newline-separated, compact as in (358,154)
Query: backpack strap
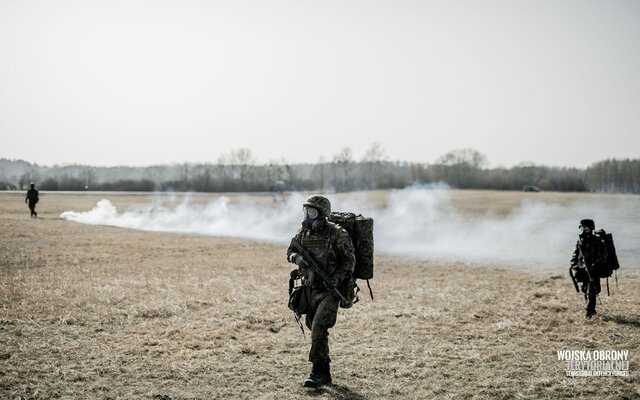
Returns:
(297,317)
(370,291)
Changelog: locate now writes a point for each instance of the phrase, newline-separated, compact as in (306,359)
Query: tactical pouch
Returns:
(581,274)
(298,300)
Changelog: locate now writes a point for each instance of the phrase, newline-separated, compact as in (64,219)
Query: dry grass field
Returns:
(97,312)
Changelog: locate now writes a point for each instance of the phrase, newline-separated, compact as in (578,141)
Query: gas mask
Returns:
(584,231)
(312,219)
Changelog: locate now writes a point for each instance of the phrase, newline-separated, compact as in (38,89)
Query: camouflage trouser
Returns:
(32,208)
(323,311)
(591,291)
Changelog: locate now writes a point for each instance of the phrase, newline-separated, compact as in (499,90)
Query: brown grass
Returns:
(102,312)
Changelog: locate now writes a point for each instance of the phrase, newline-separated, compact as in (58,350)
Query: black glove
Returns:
(298,260)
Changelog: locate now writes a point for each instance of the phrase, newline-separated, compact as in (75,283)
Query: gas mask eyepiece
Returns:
(584,230)
(312,219)
(310,213)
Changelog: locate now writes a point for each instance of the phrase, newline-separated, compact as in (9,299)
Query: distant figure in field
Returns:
(589,263)
(277,191)
(32,199)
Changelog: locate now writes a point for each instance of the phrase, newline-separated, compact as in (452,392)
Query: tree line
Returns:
(238,171)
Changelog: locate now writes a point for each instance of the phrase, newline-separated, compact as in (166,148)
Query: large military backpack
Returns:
(611,264)
(360,229)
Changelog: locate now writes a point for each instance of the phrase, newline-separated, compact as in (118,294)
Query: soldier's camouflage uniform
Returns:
(589,254)
(333,248)
(33,198)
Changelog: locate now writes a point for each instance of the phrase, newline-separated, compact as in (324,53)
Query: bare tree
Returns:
(203,176)
(88,176)
(242,162)
(343,167)
(278,171)
(375,153)
(185,170)
(24,181)
(321,173)
(461,167)
(469,157)
(614,176)
(372,165)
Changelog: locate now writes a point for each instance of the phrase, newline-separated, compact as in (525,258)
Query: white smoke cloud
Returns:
(418,222)
(220,217)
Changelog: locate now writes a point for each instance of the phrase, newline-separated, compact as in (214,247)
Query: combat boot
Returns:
(315,379)
(590,313)
(327,373)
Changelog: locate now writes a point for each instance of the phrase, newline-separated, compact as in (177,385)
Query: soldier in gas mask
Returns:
(589,255)
(332,247)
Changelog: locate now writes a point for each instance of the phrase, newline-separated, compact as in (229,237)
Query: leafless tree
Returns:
(88,176)
(461,167)
(343,168)
(242,163)
(467,157)
(320,172)
(185,170)
(372,165)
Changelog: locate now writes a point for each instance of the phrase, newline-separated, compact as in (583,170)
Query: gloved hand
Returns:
(298,260)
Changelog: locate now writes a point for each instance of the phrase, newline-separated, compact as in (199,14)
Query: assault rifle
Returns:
(318,268)
(581,264)
(573,279)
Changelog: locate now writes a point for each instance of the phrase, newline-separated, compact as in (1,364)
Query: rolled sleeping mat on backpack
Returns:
(364,247)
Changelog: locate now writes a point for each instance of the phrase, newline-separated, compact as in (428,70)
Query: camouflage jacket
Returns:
(332,247)
(593,254)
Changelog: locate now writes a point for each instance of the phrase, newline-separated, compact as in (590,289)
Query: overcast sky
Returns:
(148,82)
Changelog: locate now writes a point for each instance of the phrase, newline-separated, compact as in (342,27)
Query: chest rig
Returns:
(319,245)
(587,250)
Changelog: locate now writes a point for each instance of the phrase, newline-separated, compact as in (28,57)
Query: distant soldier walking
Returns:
(329,246)
(588,262)
(32,199)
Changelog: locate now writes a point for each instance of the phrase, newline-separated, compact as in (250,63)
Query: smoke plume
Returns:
(417,222)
